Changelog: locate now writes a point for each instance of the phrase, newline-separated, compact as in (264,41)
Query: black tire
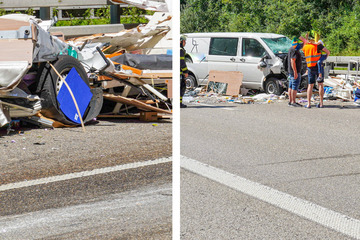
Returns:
(273,87)
(48,87)
(191,82)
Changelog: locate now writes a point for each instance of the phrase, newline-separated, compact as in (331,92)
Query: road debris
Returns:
(336,88)
(34,65)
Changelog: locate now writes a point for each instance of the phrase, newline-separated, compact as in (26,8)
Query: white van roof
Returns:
(233,34)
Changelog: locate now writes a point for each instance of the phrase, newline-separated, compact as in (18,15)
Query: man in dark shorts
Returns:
(294,69)
(312,53)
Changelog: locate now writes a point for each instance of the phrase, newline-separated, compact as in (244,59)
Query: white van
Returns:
(239,52)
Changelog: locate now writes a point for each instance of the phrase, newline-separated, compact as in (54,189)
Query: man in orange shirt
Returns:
(312,53)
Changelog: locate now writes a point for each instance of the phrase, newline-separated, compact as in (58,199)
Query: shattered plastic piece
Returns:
(154,124)
(187,99)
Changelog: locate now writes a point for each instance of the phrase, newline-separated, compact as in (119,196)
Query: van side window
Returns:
(223,46)
(252,48)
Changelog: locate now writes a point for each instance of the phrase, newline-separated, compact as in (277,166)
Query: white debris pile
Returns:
(340,86)
(335,88)
(199,95)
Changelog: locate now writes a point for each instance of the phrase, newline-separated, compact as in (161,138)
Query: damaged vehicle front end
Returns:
(274,66)
(28,84)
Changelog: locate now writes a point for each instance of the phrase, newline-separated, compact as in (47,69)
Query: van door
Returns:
(251,53)
(222,54)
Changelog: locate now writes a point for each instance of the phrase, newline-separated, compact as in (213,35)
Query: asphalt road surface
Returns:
(269,171)
(111,182)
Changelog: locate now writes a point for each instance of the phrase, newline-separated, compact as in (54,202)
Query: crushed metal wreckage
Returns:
(39,72)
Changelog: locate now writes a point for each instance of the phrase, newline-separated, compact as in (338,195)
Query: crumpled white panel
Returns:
(11,73)
(4,118)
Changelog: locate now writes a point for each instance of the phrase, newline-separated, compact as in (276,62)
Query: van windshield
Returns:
(278,45)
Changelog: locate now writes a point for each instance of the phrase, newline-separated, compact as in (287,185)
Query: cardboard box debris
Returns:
(225,82)
(148,116)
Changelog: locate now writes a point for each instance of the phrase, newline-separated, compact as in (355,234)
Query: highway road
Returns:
(268,171)
(111,182)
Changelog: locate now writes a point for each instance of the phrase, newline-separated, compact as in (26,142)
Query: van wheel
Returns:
(273,87)
(191,82)
(188,60)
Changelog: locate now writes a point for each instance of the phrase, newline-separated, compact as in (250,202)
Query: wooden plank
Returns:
(161,116)
(149,101)
(157,75)
(130,116)
(118,116)
(134,102)
(10,24)
(169,88)
(148,116)
(16,50)
(124,93)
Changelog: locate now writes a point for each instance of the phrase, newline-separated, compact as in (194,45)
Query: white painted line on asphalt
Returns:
(215,106)
(326,217)
(69,176)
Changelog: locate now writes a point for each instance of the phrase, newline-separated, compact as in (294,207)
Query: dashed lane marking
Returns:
(311,211)
(69,176)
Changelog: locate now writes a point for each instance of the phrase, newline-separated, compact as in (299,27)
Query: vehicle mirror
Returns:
(267,56)
(54,20)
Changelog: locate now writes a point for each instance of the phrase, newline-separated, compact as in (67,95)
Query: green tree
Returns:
(337,21)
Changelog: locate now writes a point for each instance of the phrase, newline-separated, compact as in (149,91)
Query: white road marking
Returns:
(69,176)
(326,217)
(215,106)
(103,215)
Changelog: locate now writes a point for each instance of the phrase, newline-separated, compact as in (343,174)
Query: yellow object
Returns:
(316,35)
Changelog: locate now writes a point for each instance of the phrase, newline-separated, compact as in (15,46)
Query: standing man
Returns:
(294,69)
(183,70)
(312,53)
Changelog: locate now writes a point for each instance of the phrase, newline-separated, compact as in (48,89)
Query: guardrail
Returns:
(50,3)
(45,5)
(335,65)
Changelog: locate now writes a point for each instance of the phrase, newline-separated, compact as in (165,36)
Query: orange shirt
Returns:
(311,54)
